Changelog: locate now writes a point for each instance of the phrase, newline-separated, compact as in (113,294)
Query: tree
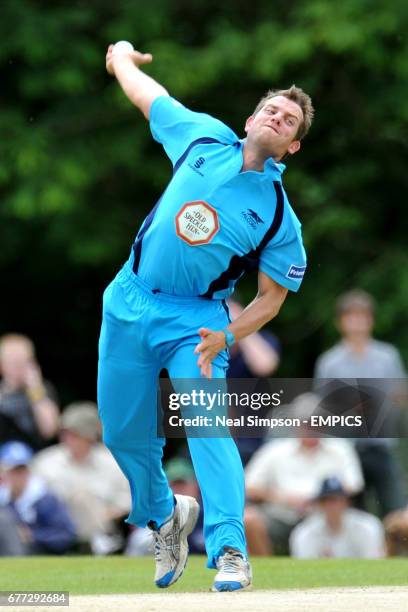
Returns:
(79,171)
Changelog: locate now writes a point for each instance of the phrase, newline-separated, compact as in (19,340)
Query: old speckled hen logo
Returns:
(197,223)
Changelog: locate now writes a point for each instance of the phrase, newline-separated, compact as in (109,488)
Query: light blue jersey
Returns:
(214,222)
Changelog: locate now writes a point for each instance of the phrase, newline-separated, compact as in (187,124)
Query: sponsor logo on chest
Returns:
(197,223)
(200,161)
(251,217)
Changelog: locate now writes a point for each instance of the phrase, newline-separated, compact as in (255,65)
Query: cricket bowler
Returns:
(223,213)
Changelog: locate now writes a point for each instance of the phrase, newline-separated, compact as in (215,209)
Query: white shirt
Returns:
(287,468)
(98,476)
(361,536)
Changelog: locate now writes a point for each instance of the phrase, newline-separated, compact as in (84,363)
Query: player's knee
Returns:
(118,435)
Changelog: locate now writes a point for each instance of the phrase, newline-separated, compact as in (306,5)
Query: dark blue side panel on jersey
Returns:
(137,246)
(203,140)
(250,261)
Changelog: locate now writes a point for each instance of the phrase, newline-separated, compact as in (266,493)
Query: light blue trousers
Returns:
(143,332)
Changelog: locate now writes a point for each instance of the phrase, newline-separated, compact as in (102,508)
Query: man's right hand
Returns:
(137,58)
(138,86)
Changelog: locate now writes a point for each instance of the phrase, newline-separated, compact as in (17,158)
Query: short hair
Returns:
(354,299)
(18,339)
(82,419)
(297,95)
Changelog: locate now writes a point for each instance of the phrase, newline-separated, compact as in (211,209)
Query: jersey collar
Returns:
(270,167)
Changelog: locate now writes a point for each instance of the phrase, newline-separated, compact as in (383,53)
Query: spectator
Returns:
(181,477)
(180,474)
(284,476)
(337,530)
(10,542)
(28,408)
(396,532)
(83,472)
(256,356)
(41,519)
(359,355)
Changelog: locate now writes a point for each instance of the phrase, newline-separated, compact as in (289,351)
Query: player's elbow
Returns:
(275,308)
(274,304)
(144,99)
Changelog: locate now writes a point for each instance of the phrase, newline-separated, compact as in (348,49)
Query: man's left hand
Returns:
(212,342)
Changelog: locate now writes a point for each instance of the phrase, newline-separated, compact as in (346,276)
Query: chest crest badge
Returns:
(197,223)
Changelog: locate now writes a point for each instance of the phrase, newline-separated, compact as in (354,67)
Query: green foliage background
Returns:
(79,170)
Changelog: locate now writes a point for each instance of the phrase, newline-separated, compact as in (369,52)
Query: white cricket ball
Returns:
(121,47)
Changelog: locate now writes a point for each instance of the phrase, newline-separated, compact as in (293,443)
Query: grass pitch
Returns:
(94,575)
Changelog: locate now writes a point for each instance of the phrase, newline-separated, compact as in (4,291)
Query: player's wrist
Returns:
(229,337)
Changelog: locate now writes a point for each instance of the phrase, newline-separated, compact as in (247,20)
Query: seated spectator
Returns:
(256,356)
(182,480)
(396,532)
(181,477)
(41,520)
(284,476)
(139,542)
(83,472)
(336,530)
(10,542)
(28,408)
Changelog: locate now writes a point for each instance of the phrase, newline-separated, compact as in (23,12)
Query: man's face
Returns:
(273,129)
(185,487)
(78,446)
(334,506)
(356,322)
(310,443)
(16,479)
(14,361)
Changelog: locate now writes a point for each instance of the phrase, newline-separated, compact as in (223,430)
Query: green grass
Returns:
(93,575)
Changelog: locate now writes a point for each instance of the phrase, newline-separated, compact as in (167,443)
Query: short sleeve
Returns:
(176,127)
(321,370)
(397,369)
(350,472)
(371,542)
(258,472)
(285,260)
(272,340)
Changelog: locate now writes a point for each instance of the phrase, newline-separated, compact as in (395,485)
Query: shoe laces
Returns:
(165,545)
(230,562)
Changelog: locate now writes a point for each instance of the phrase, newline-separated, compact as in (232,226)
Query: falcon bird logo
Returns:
(252,217)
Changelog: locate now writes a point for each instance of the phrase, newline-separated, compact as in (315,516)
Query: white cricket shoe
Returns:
(234,571)
(170,541)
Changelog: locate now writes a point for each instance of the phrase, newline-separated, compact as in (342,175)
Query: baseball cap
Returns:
(14,454)
(179,469)
(82,418)
(331,487)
